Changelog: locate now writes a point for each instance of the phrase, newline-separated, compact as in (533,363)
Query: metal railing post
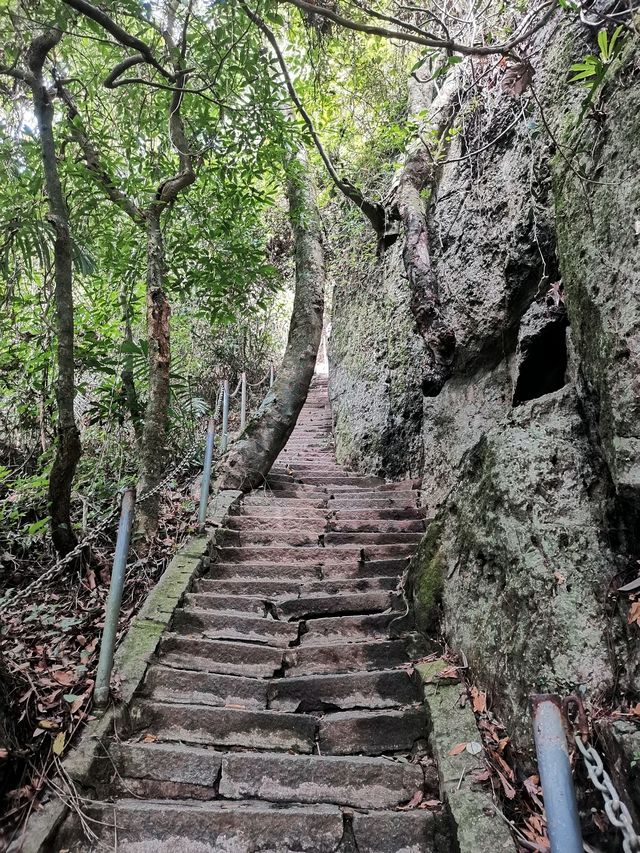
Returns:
(114,599)
(243,401)
(271,374)
(563,823)
(206,472)
(225,417)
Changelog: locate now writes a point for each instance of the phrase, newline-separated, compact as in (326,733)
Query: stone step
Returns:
(366,569)
(217,827)
(360,513)
(279,504)
(377,689)
(335,502)
(344,603)
(345,657)
(311,554)
(238,603)
(227,658)
(364,540)
(336,494)
(350,628)
(356,781)
(234,625)
(248,590)
(269,523)
(168,684)
(271,536)
(374,525)
(331,480)
(265,571)
(372,732)
(223,727)
(265,513)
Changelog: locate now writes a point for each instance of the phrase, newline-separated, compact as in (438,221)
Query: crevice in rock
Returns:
(542,353)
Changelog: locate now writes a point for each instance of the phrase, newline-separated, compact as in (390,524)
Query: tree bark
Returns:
(128,381)
(154,438)
(251,458)
(407,205)
(68,447)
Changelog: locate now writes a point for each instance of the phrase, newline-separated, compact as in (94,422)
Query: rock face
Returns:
(530,454)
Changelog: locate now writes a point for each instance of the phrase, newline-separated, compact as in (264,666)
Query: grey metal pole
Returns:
(114,599)
(225,417)
(563,823)
(206,472)
(243,401)
(271,374)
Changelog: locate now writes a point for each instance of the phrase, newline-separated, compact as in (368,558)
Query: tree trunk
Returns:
(154,437)
(128,382)
(68,447)
(408,206)
(251,458)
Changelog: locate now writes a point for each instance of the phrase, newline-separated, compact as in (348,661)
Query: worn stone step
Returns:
(223,727)
(330,480)
(222,826)
(416,831)
(266,513)
(345,657)
(350,628)
(347,691)
(366,569)
(227,658)
(270,523)
(319,605)
(163,769)
(279,503)
(212,601)
(248,590)
(358,781)
(375,525)
(364,540)
(372,732)
(265,571)
(273,537)
(361,513)
(310,554)
(168,684)
(234,625)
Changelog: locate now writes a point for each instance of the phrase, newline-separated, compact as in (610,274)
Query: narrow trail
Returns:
(278,716)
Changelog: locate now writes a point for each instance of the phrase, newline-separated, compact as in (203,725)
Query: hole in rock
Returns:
(543,365)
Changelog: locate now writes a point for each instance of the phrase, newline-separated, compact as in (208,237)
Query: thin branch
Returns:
(443,44)
(120,34)
(93,162)
(372,210)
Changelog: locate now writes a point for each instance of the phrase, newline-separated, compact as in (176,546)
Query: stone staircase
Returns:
(280,713)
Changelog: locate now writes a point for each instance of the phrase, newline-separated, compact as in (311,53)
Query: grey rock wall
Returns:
(531,452)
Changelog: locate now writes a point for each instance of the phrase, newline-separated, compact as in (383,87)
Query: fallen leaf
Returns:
(413,803)
(479,699)
(560,579)
(458,748)
(63,677)
(473,747)
(4,754)
(635,710)
(58,743)
(149,739)
(634,613)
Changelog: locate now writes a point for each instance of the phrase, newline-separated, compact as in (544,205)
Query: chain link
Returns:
(616,810)
(10,600)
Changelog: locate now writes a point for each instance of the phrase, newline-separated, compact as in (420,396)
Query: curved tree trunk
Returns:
(250,459)
(68,447)
(154,437)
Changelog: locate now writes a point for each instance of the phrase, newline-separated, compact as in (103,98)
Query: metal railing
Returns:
(551,725)
(127,513)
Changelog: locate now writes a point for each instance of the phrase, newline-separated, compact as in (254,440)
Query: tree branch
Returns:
(374,212)
(93,162)
(427,41)
(120,34)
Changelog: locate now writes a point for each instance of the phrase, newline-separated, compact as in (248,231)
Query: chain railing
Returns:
(551,722)
(127,509)
(615,809)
